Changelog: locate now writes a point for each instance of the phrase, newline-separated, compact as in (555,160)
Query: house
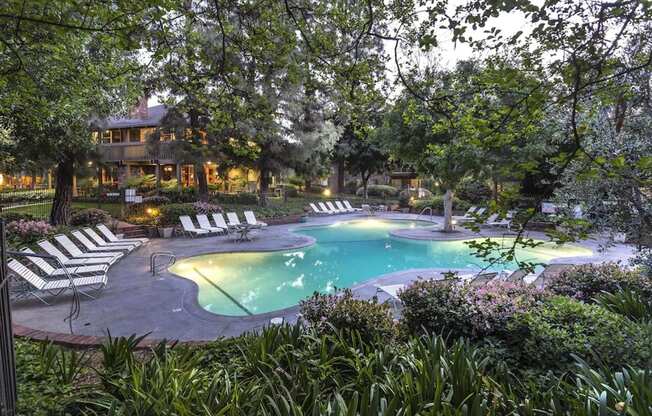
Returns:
(122,145)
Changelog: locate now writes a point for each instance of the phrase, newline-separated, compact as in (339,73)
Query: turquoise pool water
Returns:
(345,254)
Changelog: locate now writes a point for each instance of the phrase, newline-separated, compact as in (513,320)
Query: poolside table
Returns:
(243,231)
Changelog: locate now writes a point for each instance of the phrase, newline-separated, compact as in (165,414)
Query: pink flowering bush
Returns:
(450,309)
(23,232)
(371,320)
(206,207)
(493,305)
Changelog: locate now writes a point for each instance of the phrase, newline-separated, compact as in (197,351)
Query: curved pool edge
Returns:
(201,312)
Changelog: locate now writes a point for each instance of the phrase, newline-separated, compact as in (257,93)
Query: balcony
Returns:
(122,152)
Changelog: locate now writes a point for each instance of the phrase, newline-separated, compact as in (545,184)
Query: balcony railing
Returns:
(135,151)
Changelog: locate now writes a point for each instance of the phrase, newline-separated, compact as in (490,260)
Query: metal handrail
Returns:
(426,209)
(154,268)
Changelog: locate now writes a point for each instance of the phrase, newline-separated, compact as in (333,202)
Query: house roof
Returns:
(154,116)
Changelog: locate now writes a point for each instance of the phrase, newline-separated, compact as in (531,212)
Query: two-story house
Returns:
(124,151)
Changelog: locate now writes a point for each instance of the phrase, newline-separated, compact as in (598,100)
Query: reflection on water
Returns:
(345,254)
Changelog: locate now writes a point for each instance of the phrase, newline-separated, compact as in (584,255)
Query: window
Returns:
(134,135)
(167,135)
(106,136)
(116,136)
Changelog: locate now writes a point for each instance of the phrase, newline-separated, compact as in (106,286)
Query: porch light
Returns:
(327,192)
(152,212)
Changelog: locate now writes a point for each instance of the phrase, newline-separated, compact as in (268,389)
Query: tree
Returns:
(62,66)
(362,156)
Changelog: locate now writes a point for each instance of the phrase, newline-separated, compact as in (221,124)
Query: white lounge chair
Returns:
(50,270)
(204,224)
(468,215)
(332,207)
(220,222)
(74,251)
(189,228)
(341,207)
(348,205)
(114,239)
(504,222)
(233,219)
(325,209)
(250,217)
(79,261)
(92,248)
(103,243)
(492,218)
(392,291)
(54,287)
(317,210)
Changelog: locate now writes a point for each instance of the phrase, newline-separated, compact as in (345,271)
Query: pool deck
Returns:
(166,307)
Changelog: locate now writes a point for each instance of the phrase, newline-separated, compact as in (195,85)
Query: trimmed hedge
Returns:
(382,191)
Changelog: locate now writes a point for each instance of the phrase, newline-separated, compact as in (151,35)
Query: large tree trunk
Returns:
(494,189)
(60,213)
(264,186)
(448,211)
(340,176)
(307,184)
(365,181)
(202,182)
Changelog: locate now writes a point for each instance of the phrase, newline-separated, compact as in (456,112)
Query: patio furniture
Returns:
(330,206)
(75,261)
(469,215)
(392,291)
(505,222)
(74,251)
(250,217)
(218,218)
(324,208)
(114,239)
(204,224)
(88,244)
(317,210)
(342,208)
(482,279)
(50,270)
(491,219)
(347,204)
(233,219)
(517,276)
(102,243)
(189,228)
(37,285)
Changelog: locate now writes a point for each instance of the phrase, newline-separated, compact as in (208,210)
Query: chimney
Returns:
(140,109)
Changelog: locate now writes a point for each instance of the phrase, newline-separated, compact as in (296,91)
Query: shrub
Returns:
(473,190)
(586,281)
(419,193)
(89,216)
(494,304)
(156,200)
(290,190)
(548,335)
(244,198)
(643,260)
(169,214)
(371,319)
(381,191)
(23,232)
(351,186)
(139,182)
(436,306)
(186,194)
(627,303)
(206,207)
(10,216)
(296,181)
(437,204)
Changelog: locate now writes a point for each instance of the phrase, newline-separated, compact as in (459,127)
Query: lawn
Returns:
(42,210)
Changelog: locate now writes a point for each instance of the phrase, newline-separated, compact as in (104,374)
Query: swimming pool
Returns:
(345,254)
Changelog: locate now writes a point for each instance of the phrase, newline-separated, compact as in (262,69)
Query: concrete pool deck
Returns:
(165,306)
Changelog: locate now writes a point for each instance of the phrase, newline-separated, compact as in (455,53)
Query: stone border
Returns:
(84,341)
